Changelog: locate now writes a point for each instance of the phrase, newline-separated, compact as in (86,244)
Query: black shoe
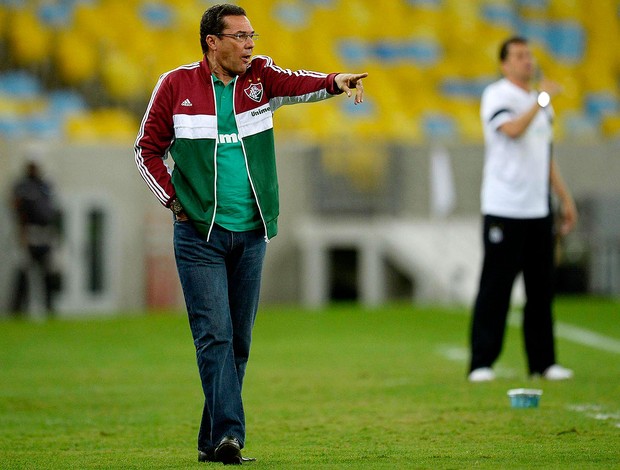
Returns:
(228,451)
(206,456)
(209,456)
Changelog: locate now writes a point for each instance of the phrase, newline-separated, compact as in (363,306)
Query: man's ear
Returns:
(210,40)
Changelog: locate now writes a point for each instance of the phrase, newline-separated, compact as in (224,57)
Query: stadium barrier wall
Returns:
(100,182)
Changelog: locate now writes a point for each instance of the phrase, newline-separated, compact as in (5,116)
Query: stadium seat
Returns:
(156,15)
(67,101)
(566,41)
(601,104)
(108,124)
(56,15)
(76,58)
(30,41)
(610,126)
(499,13)
(429,60)
(566,10)
(439,126)
(20,85)
(578,126)
(123,78)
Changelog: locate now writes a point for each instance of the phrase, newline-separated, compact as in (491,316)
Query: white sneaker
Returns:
(557,372)
(482,374)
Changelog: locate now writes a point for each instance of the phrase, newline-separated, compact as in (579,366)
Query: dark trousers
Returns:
(512,246)
(40,259)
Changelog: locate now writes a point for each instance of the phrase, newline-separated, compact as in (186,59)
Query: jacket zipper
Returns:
(247,166)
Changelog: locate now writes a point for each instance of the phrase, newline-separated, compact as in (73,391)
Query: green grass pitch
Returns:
(344,387)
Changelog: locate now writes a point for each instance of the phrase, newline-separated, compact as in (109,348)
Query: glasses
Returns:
(240,37)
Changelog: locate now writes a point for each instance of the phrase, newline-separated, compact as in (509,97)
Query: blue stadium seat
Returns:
(56,15)
(44,125)
(464,88)
(439,126)
(424,3)
(291,16)
(579,125)
(600,104)
(20,84)
(354,52)
(566,41)
(157,15)
(500,14)
(64,102)
(439,53)
(420,51)
(11,127)
(534,4)
(536,31)
(352,110)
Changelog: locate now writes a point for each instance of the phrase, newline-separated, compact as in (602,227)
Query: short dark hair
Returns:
(212,21)
(503,50)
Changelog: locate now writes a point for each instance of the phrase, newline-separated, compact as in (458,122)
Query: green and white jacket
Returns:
(181,120)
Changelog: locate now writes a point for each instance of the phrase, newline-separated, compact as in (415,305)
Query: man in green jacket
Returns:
(215,118)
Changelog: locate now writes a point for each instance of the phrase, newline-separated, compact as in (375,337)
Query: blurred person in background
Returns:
(37,217)
(215,118)
(518,224)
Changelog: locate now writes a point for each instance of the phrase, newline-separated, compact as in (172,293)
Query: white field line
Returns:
(580,335)
(596,412)
(576,334)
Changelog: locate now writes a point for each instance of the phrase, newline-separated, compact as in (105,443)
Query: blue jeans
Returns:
(221,284)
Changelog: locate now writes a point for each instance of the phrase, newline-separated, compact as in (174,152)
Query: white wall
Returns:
(141,229)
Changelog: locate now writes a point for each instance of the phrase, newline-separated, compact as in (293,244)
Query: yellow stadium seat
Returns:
(611,126)
(534,11)
(30,41)
(467,115)
(488,42)
(171,52)
(108,124)
(567,9)
(420,56)
(3,21)
(464,20)
(123,78)
(87,21)
(76,57)
(597,76)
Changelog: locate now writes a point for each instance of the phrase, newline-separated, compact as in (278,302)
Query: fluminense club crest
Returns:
(255,91)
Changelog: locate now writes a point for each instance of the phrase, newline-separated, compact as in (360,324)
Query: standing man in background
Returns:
(215,118)
(37,217)
(519,175)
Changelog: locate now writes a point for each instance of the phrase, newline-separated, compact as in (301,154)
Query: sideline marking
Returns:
(573,333)
(461,354)
(576,334)
(596,412)
(587,337)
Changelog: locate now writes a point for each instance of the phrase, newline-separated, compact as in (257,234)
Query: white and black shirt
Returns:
(515,180)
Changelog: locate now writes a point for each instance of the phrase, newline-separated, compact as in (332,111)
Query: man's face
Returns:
(519,63)
(232,55)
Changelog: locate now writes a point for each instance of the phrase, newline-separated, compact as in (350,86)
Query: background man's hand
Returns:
(551,87)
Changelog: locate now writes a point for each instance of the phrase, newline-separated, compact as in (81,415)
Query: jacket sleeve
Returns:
(154,139)
(285,86)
